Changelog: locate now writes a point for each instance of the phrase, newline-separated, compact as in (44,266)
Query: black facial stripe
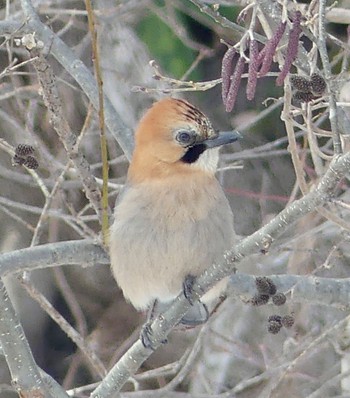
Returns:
(193,153)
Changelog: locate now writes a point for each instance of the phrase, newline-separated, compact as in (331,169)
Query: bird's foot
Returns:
(147,337)
(197,315)
(188,288)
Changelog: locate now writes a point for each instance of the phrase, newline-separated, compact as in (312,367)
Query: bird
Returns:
(173,220)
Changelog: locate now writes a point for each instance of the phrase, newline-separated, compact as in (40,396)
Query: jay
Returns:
(173,220)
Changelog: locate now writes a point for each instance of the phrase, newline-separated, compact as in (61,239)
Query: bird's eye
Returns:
(185,137)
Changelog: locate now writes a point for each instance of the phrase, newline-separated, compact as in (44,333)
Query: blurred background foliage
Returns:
(165,46)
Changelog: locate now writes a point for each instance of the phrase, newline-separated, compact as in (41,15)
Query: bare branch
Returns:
(82,252)
(333,111)
(24,371)
(105,211)
(260,240)
(54,105)
(65,326)
(66,57)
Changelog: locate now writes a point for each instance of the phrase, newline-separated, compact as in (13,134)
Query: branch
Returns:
(308,289)
(83,252)
(103,140)
(260,240)
(321,44)
(84,346)
(54,106)
(24,372)
(55,389)
(75,67)
(333,292)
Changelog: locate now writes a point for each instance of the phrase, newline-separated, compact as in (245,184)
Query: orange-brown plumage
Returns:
(156,154)
(173,219)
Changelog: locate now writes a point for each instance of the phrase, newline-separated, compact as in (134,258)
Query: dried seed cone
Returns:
(287,321)
(262,285)
(17,160)
(279,299)
(274,327)
(24,150)
(300,83)
(318,84)
(31,162)
(275,318)
(300,96)
(260,299)
(273,288)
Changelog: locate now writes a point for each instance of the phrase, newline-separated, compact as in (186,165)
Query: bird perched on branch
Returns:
(173,220)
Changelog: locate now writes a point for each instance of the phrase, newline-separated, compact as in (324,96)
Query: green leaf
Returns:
(166,48)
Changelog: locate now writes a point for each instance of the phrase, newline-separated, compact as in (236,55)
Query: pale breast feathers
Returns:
(160,233)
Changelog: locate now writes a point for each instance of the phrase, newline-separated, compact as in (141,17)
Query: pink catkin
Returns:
(261,55)
(292,49)
(235,83)
(226,72)
(270,48)
(253,69)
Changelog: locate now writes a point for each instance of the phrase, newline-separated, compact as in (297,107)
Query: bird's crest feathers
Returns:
(167,140)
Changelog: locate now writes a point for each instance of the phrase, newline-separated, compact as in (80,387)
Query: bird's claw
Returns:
(188,288)
(147,338)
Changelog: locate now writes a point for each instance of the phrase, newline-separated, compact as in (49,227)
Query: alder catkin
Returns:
(318,84)
(270,48)
(292,48)
(279,299)
(260,299)
(24,150)
(287,321)
(274,327)
(17,160)
(262,285)
(226,72)
(253,69)
(235,83)
(31,162)
(301,96)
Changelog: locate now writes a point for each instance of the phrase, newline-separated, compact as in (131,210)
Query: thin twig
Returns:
(261,239)
(48,201)
(17,218)
(65,326)
(66,57)
(24,371)
(11,151)
(316,341)
(188,364)
(53,103)
(101,115)
(333,110)
(85,252)
(72,302)
(286,117)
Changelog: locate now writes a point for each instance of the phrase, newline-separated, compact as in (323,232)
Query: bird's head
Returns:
(175,137)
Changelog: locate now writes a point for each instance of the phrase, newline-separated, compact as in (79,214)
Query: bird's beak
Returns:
(222,138)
